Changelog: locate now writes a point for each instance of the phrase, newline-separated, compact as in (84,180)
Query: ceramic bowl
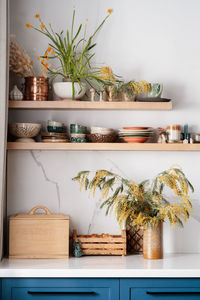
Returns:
(55,123)
(76,128)
(102,138)
(56,129)
(101,130)
(77,140)
(63,90)
(78,135)
(24,130)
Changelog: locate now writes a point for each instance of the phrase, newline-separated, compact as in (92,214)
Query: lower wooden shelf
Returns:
(103,146)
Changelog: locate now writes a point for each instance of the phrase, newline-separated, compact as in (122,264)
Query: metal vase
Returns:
(36,88)
(153,242)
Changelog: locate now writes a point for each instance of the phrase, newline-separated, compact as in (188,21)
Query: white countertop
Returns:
(173,265)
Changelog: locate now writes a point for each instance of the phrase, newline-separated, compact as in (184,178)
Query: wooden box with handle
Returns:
(39,235)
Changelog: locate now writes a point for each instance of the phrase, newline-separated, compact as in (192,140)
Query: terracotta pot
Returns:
(36,88)
(153,242)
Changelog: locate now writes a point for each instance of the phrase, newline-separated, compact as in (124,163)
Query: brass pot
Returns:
(153,242)
(36,88)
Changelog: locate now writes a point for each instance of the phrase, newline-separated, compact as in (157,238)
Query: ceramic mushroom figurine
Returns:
(101,96)
(92,91)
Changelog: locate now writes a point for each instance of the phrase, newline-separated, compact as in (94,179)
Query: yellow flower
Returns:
(46,65)
(107,74)
(42,61)
(38,58)
(53,52)
(37,16)
(42,26)
(49,49)
(109,11)
(28,25)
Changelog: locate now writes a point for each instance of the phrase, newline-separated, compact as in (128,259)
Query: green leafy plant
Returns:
(73,51)
(141,204)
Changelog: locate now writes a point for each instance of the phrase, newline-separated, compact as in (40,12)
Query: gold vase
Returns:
(153,242)
(36,88)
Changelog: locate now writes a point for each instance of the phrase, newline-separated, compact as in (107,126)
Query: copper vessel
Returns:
(153,242)
(36,88)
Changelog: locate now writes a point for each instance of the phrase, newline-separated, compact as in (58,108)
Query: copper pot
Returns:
(36,88)
(153,242)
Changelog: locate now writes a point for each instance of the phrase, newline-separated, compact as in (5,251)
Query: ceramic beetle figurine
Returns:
(77,249)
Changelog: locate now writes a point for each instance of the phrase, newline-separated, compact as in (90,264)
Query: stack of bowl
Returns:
(56,133)
(56,127)
(102,135)
(78,133)
(135,134)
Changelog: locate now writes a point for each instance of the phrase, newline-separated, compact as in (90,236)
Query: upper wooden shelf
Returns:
(103,146)
(88,105)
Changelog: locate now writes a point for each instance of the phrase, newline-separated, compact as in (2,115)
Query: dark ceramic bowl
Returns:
(56,129)
(102,138)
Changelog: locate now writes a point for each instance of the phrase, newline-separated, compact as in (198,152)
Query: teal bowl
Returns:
(56,129)
(76,128)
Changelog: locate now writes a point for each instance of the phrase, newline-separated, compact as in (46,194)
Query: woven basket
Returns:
(134,240)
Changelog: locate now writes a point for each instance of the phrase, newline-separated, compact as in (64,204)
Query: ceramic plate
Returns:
(135,128)
(152,99)
(135,139)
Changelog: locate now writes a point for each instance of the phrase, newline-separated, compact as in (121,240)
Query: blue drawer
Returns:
(60,289)
(157,289)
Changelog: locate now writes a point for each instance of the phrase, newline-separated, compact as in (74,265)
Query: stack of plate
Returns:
(135,134)
(54,137)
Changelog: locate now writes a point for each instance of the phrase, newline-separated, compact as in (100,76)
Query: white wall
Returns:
(153,40)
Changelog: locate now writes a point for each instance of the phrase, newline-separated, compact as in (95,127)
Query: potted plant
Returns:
(73,52)
(143,204)
(123,90)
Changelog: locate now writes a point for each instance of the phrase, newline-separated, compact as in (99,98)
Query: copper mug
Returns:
(36,88)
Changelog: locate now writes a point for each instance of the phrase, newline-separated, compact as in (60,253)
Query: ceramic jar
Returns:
(174,133)
(153,242)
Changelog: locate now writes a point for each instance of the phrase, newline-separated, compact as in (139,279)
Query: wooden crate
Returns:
(39,235)
(104,244)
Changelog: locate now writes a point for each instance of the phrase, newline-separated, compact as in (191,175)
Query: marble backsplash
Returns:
(45,178)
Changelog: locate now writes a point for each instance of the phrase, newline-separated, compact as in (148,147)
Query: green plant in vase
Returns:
(74,53)
(144,204)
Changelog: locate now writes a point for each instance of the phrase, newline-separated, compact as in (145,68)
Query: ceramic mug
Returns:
(156,90)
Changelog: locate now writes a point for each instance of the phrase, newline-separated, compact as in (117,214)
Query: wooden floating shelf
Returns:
(88,105)
(103,146)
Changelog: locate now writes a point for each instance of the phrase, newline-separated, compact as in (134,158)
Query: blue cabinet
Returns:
(157,289)
(60,289)
(100,289)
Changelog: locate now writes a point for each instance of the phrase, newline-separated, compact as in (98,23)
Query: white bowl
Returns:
(24,130)
(63,90)
(101,130)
